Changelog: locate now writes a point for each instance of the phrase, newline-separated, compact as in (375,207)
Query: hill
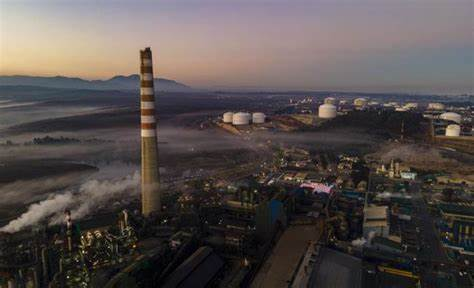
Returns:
(119,82)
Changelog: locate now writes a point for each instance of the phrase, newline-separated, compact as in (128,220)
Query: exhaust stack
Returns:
(151,198)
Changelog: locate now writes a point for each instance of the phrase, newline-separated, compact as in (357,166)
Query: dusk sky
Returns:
(363,45)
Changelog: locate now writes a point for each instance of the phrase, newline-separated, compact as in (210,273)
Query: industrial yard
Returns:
(237,190)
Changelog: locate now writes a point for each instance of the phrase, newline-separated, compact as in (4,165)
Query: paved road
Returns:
(432,255)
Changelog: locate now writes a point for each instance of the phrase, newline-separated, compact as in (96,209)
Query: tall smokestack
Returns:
(68,220)
(151,201)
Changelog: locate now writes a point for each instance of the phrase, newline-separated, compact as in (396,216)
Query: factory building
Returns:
(150,178)
(227,117)
(196,271)
(327,111)
(451,116)
(258,118)
(459,226)
(241,118)
(268,214)
(376,221)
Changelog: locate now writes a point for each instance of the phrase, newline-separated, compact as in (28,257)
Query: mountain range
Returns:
(131,82)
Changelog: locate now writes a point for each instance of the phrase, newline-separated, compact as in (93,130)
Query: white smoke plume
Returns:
(91,195)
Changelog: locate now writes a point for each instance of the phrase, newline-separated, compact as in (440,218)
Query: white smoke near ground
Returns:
(415,154)
(39,211)
(27,191)
(90,196)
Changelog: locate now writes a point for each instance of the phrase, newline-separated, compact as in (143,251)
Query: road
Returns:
(432,256)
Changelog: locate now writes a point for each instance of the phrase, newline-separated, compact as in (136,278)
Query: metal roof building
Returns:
(196,271)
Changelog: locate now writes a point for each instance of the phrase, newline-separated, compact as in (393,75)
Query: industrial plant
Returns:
(294,198)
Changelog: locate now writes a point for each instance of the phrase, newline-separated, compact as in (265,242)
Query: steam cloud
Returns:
(89,196)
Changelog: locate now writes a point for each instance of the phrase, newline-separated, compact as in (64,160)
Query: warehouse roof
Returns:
(196,271)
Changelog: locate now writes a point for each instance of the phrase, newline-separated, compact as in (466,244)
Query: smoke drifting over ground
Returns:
(91,195)
(334,138)
(27,191)
(416,154)
(426,158)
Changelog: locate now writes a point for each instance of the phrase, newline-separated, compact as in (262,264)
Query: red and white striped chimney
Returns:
(151,198)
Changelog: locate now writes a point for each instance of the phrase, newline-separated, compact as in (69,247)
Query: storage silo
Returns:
(411,105)
(451,116)
(227,117)
(241,118)
(330,100)
(360,102)
(327,111)
(258,118)
(453,130)
(436,106)
(373,103)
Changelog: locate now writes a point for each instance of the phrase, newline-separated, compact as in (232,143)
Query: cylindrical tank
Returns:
(451,116)
(373,103)
(227,117)
(360,102)
(453,130)
(436,106)
(330,100)
(327,111)
(411,105)
(241,118)
(258,118)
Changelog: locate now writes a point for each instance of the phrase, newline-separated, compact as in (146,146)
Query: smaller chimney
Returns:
(68,220)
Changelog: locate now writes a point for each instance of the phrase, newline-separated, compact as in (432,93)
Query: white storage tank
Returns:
(411,105)
(241,118)
(330,100)
(327,111)
(451,116)
(227,117)
(258,118)
(373,103)
(436,106)
(453,130)
(360,102)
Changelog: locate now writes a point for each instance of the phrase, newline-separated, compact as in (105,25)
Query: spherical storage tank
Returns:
(241,118)
(451,116)
(330,100)
(453,130)
(360,102)
(227,117)
(327,111)
(258,118)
